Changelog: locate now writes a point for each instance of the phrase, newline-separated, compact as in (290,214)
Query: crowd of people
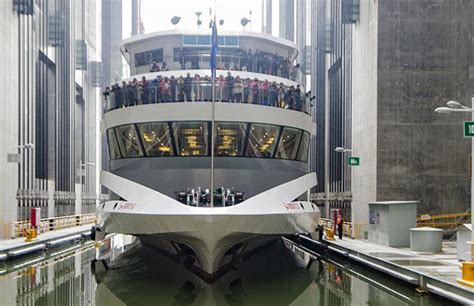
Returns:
(164,89)
(232,59)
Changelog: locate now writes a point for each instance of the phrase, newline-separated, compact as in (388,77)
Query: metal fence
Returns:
(17,229)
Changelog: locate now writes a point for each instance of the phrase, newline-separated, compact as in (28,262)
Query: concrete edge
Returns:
(15,252)
(413,277)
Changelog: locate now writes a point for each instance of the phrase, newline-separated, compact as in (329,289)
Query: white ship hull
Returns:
(209,232)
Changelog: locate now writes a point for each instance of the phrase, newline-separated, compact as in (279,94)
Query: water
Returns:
(141,276)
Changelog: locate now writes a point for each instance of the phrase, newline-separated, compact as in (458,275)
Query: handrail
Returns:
(443,216)
(17,229)
(346,226)
(174,90)
(260,63)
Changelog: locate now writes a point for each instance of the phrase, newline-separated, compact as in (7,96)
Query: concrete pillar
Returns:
(78,203)
(51,188)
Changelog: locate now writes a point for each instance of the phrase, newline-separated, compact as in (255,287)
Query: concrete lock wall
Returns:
(424,54)
(410,57)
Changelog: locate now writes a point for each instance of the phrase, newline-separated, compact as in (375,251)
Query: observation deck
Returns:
(158,121)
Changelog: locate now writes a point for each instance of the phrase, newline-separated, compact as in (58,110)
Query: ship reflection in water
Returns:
(276,275)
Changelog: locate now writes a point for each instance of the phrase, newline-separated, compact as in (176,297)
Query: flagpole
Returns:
(213,114)
(213,106)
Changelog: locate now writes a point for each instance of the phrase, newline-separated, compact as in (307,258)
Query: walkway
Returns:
(436,272)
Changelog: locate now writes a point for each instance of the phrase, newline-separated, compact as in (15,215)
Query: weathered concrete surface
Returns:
(424,53)
(425,49)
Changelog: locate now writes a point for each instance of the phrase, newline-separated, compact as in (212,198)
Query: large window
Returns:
(113,145)
(148,57)
(262,140)
(128,141)
(230,138)
(304,147)
(191,138)
(288,145)
(205,40)
(156,139)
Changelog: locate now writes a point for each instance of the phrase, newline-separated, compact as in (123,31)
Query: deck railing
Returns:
(153,92)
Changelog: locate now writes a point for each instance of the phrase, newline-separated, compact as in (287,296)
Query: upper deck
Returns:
(180,50)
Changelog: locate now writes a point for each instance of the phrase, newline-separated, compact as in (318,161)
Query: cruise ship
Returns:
(208,209)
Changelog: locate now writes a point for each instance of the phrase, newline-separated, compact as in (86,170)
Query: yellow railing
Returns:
(18,228)
(346,226)
(445,221)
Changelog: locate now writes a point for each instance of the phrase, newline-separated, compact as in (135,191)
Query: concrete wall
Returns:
(364,110)
(9,114)
(425,49)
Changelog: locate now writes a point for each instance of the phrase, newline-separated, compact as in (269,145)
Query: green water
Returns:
(141,276)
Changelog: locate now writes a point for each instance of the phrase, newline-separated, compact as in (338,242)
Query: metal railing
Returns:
(346,226)
(269,64)
(17,229)
(444,221)
(253,92)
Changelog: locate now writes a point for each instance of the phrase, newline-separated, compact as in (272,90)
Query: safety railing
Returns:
(263,63)
(444,221)
(175,90)
(18,229)
(329,224)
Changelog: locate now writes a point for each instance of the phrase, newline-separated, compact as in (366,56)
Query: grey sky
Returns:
(157,14)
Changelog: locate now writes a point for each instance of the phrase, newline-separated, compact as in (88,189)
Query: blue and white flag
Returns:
(214,47)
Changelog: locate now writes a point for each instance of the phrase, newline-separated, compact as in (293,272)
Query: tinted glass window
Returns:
(191,138)
(289,141)
(229,138)
(189,40)
(204,40)
(232,40)
(262,140)
(128,141)
(113,145)
(303,150)
(156,139)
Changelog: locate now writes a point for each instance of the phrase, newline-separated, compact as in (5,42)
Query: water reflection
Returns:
(140,276)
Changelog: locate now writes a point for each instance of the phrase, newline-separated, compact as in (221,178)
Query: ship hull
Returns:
(208,237)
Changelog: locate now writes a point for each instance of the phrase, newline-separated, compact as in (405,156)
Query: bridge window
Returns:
(156,139)
(304,146)
(262,140)
(113,145)
(191,138)
(288,145)
(230,138)
(148,57)
(129,143)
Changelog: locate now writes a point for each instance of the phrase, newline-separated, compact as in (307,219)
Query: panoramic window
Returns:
(304,146)
(128,141)
(156,139)
(262,140)
(288,146)
(191,138)
(113,145)
(229,138)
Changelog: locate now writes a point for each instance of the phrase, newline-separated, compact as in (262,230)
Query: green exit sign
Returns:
(354,161)
(468,128)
